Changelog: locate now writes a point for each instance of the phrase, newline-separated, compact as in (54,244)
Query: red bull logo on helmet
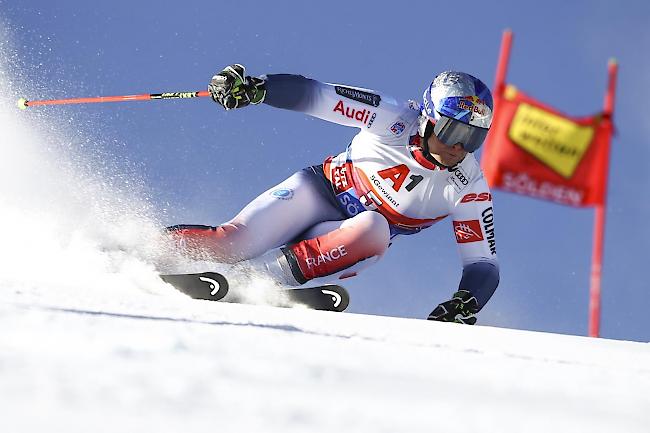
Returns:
(473,104)
(474,100)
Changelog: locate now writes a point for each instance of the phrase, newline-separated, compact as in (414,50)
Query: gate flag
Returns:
(537,151)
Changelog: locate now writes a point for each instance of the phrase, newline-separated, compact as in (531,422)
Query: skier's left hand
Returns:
(460,309)
(231,88)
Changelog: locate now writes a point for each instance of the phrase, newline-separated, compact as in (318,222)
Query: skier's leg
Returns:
(338,249)
(272,219)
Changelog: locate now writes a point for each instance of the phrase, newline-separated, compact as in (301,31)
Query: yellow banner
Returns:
(554,140)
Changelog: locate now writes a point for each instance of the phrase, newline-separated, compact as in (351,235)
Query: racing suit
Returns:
(333,219)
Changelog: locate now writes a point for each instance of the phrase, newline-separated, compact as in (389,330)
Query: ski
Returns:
(205,285)
(213,286)
(328,297)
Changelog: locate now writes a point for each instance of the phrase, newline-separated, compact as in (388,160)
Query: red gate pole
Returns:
(599,220)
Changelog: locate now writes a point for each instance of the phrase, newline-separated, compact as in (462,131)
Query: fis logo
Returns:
(398,127)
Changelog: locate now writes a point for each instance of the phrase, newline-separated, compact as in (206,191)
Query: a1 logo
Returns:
(398,174)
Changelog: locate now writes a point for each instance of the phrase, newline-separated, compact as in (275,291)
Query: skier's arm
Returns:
(290,92)
(476,287)
(473,223)
(345,105)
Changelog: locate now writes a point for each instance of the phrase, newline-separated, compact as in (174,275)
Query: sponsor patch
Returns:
(488,227)
(397,128)
(282,193)
(473,104)
(458,179)
(358,95)
(387,195)
(558,142)
(350,204)
(522,183)
(472,196)
(372,119)
(468,231)
(341,178)
(356,114)
(397,175)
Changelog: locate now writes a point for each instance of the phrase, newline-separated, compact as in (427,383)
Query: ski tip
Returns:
(340,297)
(209,286)
(22,103)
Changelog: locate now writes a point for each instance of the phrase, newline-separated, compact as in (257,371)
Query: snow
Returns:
(92,340)
(166,363)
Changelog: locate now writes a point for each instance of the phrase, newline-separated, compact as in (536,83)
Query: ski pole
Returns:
(24,103)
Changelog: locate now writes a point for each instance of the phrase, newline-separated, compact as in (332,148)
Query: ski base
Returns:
(213,286)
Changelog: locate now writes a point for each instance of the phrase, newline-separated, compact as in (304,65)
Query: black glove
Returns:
(232,89)
(460,309)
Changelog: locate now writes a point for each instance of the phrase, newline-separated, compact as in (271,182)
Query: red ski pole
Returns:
(24,103)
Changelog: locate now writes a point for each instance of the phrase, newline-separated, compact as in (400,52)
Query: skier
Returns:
(410,166)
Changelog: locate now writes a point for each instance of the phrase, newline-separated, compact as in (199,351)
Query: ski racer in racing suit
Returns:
(410,166)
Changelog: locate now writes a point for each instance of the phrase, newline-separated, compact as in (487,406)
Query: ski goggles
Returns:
(451,131)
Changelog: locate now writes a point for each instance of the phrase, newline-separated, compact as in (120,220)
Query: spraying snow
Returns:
(66,227)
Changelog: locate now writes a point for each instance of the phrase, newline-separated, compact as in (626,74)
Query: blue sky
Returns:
(201,165)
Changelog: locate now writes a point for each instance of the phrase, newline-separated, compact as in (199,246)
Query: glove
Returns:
(460,309)
(231,89)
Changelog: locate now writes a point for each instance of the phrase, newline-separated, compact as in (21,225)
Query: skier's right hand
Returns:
(230,88)
(460,309)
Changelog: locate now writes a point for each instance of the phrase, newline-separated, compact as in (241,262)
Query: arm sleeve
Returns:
(473,225)
(341,104)
(291,92)
(481,280)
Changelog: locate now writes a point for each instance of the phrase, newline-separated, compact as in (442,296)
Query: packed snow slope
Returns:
(132,361)
(92,340)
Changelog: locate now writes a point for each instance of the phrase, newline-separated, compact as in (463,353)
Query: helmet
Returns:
(459,108)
